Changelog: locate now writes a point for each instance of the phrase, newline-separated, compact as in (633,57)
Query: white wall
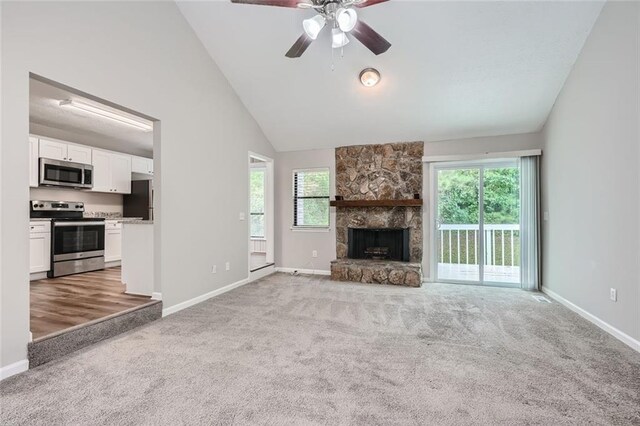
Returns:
(93,201)
(143,56)
(590,170)
(463,147)
(294,248)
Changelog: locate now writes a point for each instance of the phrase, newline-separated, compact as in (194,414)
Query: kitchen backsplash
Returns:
(94,202)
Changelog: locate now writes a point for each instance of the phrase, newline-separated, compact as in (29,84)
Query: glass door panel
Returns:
(501,223)
(458,224)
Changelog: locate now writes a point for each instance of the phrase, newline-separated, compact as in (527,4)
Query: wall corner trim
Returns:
(623,337)
(188,303)
(303,271)
(13,369)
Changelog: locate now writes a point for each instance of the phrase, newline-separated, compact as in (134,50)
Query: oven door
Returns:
(77,240)
(62,173)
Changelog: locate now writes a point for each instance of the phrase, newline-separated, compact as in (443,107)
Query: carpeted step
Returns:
(57,345)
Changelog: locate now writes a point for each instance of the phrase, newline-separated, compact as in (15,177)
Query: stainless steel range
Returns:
(77,243)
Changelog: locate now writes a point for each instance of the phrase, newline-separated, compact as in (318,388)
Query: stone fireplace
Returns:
(379,221)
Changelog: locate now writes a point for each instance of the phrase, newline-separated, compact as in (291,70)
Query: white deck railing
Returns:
(459,244)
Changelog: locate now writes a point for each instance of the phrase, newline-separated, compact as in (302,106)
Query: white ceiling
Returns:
(455,69)
(47,118)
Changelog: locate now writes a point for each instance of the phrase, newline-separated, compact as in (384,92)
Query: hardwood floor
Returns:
(61,303)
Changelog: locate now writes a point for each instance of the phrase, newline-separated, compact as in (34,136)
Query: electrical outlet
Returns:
(613,294)
(227,266)
(314,253)
(241,216)
(214,269)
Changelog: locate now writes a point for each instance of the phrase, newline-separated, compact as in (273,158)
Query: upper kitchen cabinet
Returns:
(79,154)
(141,165)
(111,172)
(57,150)
(33,162)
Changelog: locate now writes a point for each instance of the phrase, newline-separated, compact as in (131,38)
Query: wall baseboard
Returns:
(156,296)
(188,303)
(623,337)
(13,369)
(261,273)
(303,271)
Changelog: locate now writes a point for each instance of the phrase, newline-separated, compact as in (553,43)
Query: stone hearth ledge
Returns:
(377,271)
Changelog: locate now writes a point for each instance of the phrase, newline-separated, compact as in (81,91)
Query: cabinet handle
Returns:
(70,158)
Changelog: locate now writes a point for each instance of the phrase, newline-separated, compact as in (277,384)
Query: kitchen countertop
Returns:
(135,221)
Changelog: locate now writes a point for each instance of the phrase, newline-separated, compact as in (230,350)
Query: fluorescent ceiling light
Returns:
(312,26)
(347,19)
(338,38)
(104,113)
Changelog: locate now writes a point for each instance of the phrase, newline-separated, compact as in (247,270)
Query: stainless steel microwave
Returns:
(66,173)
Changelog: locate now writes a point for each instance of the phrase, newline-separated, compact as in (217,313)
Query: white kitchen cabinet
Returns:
(79,154)
(33,162)
(121,173)
(39,246)
(58,150)
(53,149)
(112,241)
(141,165)
(111,172)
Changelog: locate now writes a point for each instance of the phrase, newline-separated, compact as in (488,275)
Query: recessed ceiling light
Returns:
(369,77)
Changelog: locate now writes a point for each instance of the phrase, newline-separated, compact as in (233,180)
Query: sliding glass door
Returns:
(477,226)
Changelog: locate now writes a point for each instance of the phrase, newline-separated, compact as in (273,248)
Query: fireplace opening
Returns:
(378,244)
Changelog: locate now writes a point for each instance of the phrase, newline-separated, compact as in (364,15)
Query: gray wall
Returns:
(293,248)
(143,56)
(590,173)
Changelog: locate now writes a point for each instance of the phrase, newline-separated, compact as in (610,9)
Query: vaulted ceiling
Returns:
(454,70)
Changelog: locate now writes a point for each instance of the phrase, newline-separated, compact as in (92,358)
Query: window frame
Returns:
(294,199)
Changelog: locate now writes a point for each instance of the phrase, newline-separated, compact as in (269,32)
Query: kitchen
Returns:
(91,218)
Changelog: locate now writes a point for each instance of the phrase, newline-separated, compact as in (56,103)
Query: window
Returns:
(257,203)
(311,198)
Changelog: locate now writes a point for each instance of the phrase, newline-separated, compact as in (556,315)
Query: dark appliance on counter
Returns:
(140,202)
(65,173)
(77,243)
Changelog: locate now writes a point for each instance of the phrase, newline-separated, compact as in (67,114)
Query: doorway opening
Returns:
(91,174)
(476,236)
(261,213)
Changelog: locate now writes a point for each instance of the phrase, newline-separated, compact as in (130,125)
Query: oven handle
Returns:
(77,223)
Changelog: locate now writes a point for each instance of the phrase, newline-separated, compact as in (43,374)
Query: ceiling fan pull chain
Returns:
(332,63)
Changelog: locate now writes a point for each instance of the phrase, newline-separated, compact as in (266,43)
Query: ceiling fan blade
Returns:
(299,46)
(279,3)
(370,38)
(368,3)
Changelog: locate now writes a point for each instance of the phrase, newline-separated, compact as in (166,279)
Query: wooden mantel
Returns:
(376,203)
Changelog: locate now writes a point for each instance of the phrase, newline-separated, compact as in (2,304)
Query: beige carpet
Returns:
(302,350)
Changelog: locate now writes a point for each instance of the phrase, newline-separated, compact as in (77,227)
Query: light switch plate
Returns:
(241,216)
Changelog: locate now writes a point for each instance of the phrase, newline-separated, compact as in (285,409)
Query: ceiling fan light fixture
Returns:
(369,77)
(347,19)
(312,26)
(338,38)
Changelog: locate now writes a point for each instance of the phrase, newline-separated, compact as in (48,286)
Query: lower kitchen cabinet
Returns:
(39,247)
(112,241)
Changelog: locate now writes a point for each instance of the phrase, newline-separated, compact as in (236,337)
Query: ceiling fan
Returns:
(342,17)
